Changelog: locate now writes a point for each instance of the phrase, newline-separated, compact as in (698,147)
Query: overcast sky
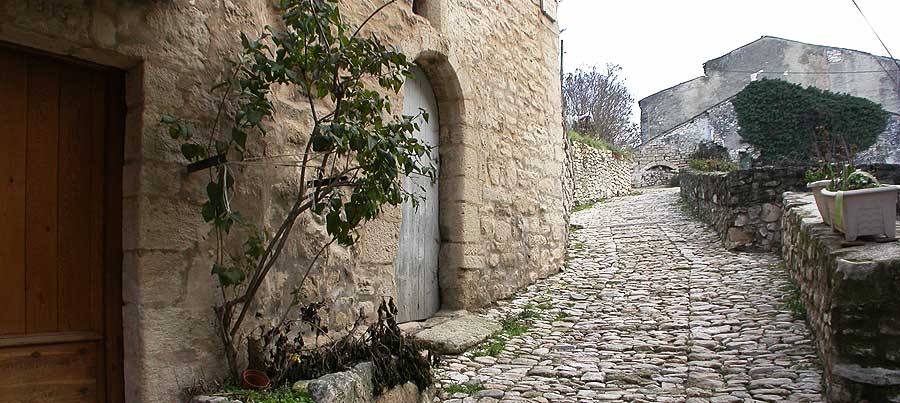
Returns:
(660,43)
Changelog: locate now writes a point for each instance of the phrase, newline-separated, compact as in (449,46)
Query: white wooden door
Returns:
(418,296)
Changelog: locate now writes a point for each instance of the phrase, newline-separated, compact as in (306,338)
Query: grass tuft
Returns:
(600,144)
(455,388)
(283,394)
(582,207)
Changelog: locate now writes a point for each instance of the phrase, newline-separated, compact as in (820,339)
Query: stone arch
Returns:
(459,186)
(655,173)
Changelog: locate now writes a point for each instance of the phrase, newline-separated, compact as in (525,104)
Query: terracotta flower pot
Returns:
(863,212)
(821,204)
(253,379)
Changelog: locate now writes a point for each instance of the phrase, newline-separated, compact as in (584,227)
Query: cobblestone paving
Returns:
(650,309)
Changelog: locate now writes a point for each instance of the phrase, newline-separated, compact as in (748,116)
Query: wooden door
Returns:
(418,296)
(60,232)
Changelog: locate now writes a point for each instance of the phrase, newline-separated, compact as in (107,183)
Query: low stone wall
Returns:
(600,174)
(852,300)
(744,207)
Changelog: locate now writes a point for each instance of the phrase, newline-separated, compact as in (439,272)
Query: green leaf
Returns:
(168,119)
(224,224)
(229,276)
(239,137)
(193,152)
(333,223)
(321,143)
(215,194)
(208,211)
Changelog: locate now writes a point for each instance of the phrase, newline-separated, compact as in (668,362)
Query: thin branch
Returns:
(366,21)
(299,286)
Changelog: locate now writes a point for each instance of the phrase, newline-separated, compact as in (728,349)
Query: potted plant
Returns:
(816,180)
(858,205)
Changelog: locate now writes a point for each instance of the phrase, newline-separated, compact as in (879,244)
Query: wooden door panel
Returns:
(41,196)
(51,373)
(418,295)
(13,117)
(75,176)
(60,242)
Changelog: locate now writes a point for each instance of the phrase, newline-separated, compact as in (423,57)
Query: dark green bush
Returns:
(712,165)
(780,119)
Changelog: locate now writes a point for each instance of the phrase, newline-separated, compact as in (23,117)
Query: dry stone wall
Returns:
(495,73)
(850,296)
(744,207)
(600,174)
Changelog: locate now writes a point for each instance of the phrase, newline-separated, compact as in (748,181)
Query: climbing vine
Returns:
(351,164)
(780,119)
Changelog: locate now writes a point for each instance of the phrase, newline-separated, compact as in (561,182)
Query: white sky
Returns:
(660,43)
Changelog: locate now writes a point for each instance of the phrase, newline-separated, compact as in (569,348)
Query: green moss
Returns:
(560,316)
(455,388)
(582,207)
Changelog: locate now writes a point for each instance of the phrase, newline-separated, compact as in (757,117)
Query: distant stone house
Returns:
(675,120)
(107,291)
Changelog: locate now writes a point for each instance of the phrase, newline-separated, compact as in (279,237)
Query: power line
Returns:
(804,72)
(879,40)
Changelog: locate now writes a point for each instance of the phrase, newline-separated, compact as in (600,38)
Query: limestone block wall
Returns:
(744,207)
(495,72)
(600,174)
(850,295)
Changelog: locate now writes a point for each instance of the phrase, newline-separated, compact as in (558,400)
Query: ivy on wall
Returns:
(780,119)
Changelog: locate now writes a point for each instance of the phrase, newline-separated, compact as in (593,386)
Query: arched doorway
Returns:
(658,175)
(418,291)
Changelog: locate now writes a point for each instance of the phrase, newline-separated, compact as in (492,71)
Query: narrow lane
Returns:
(650,308)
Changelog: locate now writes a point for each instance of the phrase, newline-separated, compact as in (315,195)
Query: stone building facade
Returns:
(494,68)
(675,120)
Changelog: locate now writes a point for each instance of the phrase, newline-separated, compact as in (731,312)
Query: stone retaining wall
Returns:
(600,174)
(852,304)
(744,207)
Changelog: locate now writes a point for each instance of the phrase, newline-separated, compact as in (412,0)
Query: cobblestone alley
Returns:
(650,309)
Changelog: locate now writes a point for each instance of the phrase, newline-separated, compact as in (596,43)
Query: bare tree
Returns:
(599,105)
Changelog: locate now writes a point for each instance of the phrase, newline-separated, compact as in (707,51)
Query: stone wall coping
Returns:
(872,376)
(851,259)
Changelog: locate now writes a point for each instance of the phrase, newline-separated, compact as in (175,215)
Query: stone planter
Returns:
(816,188)
(863,212)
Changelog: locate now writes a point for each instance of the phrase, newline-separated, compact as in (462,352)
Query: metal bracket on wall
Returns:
(207,163)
